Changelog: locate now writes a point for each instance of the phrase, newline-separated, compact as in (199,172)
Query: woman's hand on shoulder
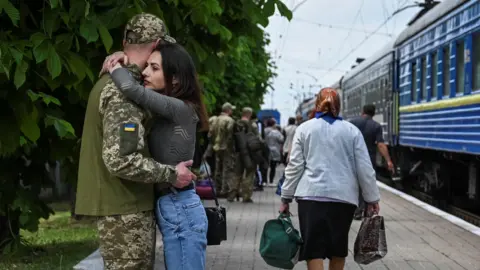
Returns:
(113,62)
(111,68)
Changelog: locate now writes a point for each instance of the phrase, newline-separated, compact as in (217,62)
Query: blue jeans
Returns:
(183,223)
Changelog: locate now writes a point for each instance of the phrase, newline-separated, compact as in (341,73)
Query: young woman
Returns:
(172,93)
(328,163)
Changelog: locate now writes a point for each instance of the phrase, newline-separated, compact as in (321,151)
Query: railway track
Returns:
(451,209)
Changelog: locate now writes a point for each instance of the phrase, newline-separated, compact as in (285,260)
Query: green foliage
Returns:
(50,51)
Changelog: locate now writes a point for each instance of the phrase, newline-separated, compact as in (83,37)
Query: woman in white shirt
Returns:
(328,163)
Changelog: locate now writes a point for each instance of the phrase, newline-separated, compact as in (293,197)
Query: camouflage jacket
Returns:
(222,133)
(116,176)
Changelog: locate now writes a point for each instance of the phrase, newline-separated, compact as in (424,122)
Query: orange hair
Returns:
(328,101)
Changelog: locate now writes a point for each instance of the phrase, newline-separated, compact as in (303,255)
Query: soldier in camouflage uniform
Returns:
(209,154)
(116,176)
(242,183)
(224,148)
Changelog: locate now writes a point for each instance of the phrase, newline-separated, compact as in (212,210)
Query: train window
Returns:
(434,75)
(476,61)
(423,92)
(460,69)
(446,71)
(413,84)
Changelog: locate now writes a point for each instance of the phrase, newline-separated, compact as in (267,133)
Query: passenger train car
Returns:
(371,82)
(426,88)
(307,106)
(438,64)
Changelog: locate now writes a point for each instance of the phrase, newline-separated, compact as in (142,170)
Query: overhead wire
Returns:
(340,27)
(361,43)
(353,24)
(385,13)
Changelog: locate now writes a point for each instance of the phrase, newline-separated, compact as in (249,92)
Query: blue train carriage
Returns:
(371,82)
(438,60)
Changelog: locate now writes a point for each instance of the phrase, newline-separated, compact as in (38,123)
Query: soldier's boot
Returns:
(232,195)
(249,200)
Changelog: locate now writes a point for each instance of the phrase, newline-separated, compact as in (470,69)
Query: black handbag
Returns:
(217,219)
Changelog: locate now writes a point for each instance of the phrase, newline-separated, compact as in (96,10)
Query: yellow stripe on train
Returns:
(442,104)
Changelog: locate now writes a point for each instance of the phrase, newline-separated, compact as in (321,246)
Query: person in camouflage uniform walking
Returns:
(116,176)
(209,154)
(242,183)
(224,148)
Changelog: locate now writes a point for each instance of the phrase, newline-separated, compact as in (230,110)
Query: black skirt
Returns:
(324,227)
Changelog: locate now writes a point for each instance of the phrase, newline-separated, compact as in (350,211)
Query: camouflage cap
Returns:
(228,106)
(146,28)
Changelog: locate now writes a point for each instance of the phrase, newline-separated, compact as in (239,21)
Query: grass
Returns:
(60,243)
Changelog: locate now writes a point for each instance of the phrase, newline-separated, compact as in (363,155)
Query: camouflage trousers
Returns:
(127,242)
(224,170)
(242,183)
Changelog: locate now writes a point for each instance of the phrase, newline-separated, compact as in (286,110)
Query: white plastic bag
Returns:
(93,262)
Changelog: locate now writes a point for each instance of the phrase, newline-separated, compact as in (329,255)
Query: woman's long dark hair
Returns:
(178,64)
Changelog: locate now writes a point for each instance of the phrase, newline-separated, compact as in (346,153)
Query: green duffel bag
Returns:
(280,243)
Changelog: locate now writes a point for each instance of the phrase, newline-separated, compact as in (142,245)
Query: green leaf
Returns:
(24,218)
(106,37)
(20,77)
(199,51)
(77,10)
(138,6)
(52,84)
(5,67)
(77,44)
(284,11)
(11,11)
(53,3)
(47,99)
(88,31)
(269,8)
(87,8)
(64,42)
(79,67)
(54,65)
(37,39)
(225,33)
(23,141)
(17,55)
(49,21)
(213,6)
(214,27)
(64,129)
(32,95)
(154,8)
(198,17)
(65,18)
(29,126)
(41,51)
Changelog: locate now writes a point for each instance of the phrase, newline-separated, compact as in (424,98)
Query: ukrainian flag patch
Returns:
(129,127)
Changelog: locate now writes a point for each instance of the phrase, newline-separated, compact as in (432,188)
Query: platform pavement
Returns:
(416,238)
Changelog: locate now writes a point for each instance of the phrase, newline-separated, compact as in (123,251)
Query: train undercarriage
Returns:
(448,181)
